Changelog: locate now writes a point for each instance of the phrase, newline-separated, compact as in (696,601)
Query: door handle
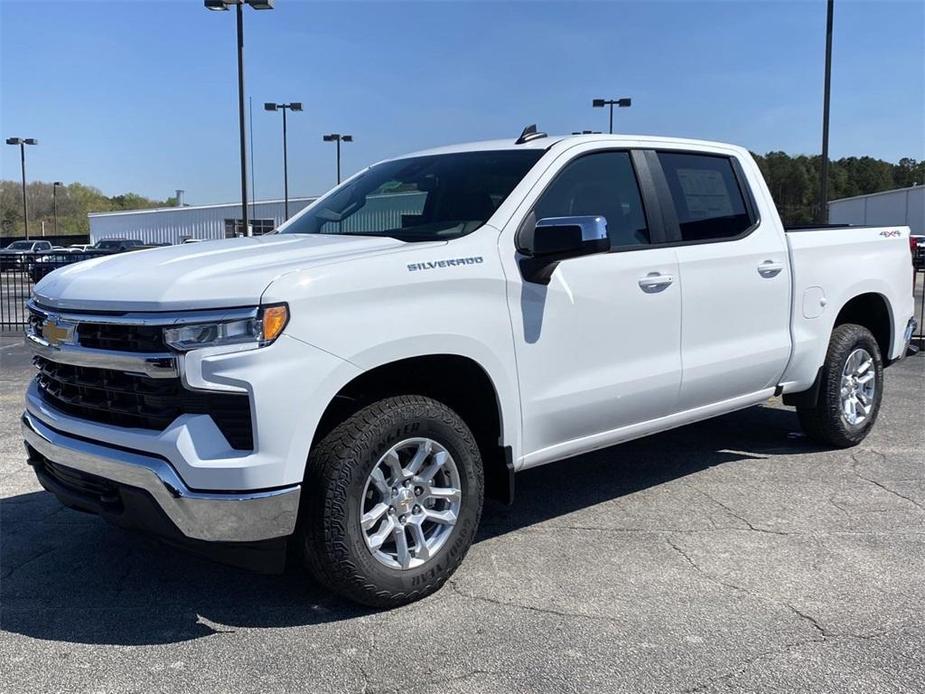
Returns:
(769,268)
(654,281)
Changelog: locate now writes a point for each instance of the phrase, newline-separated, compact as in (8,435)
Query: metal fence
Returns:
(918,291)
(18,274)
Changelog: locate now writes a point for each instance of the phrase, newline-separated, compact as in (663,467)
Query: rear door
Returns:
(735,279)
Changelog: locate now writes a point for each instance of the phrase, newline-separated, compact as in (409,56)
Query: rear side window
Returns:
(707,197)
(599,184)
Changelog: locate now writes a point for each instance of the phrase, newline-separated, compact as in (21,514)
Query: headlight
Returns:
(258,330)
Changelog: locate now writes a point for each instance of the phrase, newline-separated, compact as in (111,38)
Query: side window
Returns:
(706,194)
(599,184)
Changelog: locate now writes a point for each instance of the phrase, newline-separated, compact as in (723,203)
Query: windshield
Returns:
(106,245)
(20,246)
(429,198)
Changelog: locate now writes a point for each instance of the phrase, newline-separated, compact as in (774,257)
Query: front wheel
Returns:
(392,501)
(850,389)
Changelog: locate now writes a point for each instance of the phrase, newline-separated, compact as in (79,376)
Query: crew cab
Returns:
(354,384)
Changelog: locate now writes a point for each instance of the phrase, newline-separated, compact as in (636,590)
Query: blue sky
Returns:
(140,96)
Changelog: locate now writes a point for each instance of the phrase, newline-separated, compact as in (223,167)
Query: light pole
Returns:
(223,5)
(338,138)
(54,198)
(22,142)
(824,174)
(294,106)
(621,103)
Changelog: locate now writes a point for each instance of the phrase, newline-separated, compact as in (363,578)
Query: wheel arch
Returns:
(868,309)
(458,381)
(872,311)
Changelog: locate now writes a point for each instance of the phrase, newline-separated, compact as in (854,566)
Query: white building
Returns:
(176,224)
(902,207)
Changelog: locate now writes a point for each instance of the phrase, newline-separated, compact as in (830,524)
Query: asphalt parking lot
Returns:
(731,555)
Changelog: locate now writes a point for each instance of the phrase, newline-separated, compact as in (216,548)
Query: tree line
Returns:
(793,181)
(75,201)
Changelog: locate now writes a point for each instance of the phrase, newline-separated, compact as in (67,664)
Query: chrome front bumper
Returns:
(209,516)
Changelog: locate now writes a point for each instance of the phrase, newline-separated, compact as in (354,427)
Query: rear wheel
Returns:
(393,497)
(850,389)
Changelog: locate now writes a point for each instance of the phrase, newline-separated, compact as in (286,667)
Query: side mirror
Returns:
(554,239)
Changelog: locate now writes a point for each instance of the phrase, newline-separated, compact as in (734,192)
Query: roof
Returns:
(485,146)
(882,192)
(550,140)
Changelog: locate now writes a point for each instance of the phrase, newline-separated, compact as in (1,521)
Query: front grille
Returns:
(122,338)
(136,401)
(117,337)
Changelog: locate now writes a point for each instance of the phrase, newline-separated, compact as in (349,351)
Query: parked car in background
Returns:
(41,265)
(15,255)
(80,246)
(354,384)
(117,245)
(917,246)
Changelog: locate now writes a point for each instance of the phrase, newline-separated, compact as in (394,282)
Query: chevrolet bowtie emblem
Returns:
(57,332)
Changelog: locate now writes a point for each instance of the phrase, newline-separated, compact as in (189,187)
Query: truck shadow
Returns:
(66,576)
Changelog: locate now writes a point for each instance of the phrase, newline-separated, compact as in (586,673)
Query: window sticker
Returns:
(705,193)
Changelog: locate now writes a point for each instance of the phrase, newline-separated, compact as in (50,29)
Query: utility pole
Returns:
(823,215)
(294,106)
(54,197)
(22,142)
(620,103)
(222,5)
(338,138)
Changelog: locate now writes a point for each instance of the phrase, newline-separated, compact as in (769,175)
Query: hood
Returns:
(213,274)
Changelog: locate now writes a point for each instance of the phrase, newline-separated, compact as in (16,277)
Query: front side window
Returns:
(429,198)
(706,194)
(600,184)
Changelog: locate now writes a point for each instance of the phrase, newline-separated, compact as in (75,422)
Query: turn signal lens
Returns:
(274,319)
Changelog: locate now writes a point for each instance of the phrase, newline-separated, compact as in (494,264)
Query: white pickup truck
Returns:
(353,384)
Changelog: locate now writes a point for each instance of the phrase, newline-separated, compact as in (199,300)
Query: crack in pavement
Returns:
(737,516)
(854,468)
(28,561)
(707,575)
(446,680)
(724,528)
(786,648)
(821,633)
(530,608)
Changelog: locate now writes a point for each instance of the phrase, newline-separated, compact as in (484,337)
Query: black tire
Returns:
(336,553)
(823,422)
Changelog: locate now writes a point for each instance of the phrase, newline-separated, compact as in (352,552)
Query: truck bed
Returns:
(830,265)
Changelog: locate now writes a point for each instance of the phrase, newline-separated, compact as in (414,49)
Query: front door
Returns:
(598,348)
